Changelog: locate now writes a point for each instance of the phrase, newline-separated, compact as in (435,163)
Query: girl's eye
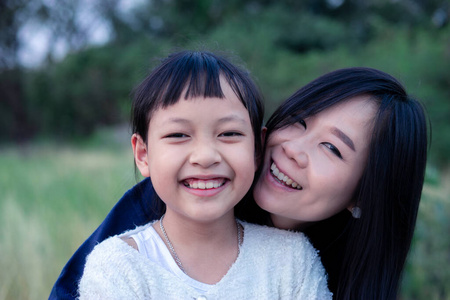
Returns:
(231,134)
(176,135)
(333,149)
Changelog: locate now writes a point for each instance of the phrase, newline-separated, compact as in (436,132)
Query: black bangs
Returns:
(190,74)
(195,73)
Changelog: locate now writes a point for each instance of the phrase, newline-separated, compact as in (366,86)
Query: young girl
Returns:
(197,124)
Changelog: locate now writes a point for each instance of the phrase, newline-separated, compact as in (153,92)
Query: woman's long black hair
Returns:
(366,256)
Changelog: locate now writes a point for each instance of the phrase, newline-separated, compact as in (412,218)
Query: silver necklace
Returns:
(172,249)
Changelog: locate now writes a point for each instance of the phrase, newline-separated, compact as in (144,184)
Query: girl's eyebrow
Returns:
(343,137)
(232,118)
(177,120)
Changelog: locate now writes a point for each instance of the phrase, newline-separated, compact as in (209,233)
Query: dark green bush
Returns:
(87,89)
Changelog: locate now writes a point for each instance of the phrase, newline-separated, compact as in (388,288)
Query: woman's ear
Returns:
(140,154)
(263,135)
(260,158)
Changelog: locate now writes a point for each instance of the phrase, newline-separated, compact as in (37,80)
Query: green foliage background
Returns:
(284,44)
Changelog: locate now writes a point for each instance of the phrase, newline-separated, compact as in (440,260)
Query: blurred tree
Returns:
(284,42)
(9,27)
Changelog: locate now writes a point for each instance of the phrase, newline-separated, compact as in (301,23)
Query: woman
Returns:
(364,251)
(365,255)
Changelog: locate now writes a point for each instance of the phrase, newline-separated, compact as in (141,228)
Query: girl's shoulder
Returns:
(116,245)
(110,268)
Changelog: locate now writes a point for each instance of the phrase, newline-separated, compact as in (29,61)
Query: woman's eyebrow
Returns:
(343,137)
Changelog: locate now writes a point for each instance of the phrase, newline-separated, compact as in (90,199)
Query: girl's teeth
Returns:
(284,178)
(204,184)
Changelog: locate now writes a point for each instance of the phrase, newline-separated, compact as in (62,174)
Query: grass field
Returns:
(54,196)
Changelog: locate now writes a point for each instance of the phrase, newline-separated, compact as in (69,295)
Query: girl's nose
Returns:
(205,154)
(296,152)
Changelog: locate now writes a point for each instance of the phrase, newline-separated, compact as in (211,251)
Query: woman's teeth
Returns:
(283,178)
(204,184)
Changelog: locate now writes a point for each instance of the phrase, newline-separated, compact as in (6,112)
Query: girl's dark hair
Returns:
(198,72)
(373,249)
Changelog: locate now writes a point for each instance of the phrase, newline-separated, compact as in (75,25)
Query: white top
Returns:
(272,264)
(153,247)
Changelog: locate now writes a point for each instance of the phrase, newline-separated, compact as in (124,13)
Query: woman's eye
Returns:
(302,122)
(333,149)
(176,135)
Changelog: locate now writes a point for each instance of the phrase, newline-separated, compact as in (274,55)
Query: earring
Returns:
(356,212)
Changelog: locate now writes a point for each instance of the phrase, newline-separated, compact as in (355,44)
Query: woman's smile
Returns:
(312,156)
(283,178)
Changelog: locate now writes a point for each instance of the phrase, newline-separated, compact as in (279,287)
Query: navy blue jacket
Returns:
(129,212)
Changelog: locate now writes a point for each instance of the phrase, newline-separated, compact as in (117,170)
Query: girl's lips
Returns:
(204,184)
(282,178)
(205,187)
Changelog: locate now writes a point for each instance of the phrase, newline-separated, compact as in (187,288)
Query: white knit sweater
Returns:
(272,264)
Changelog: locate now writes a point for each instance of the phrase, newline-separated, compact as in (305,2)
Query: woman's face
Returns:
(311,169)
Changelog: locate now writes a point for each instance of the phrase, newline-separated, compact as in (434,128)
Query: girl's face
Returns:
(200,156)
(311,169)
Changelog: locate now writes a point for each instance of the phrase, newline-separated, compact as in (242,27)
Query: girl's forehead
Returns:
(205,111)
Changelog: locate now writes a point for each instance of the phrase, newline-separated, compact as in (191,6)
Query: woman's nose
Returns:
(296,152)
(205,154)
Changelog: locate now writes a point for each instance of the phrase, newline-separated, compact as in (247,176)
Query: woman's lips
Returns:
(283,179)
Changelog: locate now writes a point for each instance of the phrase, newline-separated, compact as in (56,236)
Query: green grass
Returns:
(54,196)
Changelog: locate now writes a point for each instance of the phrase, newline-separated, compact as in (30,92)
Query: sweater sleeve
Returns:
(109,273)
(292,265)
(314,279)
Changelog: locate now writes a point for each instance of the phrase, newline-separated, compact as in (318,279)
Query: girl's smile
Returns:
(200,156)
(205,187)
(204,184)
